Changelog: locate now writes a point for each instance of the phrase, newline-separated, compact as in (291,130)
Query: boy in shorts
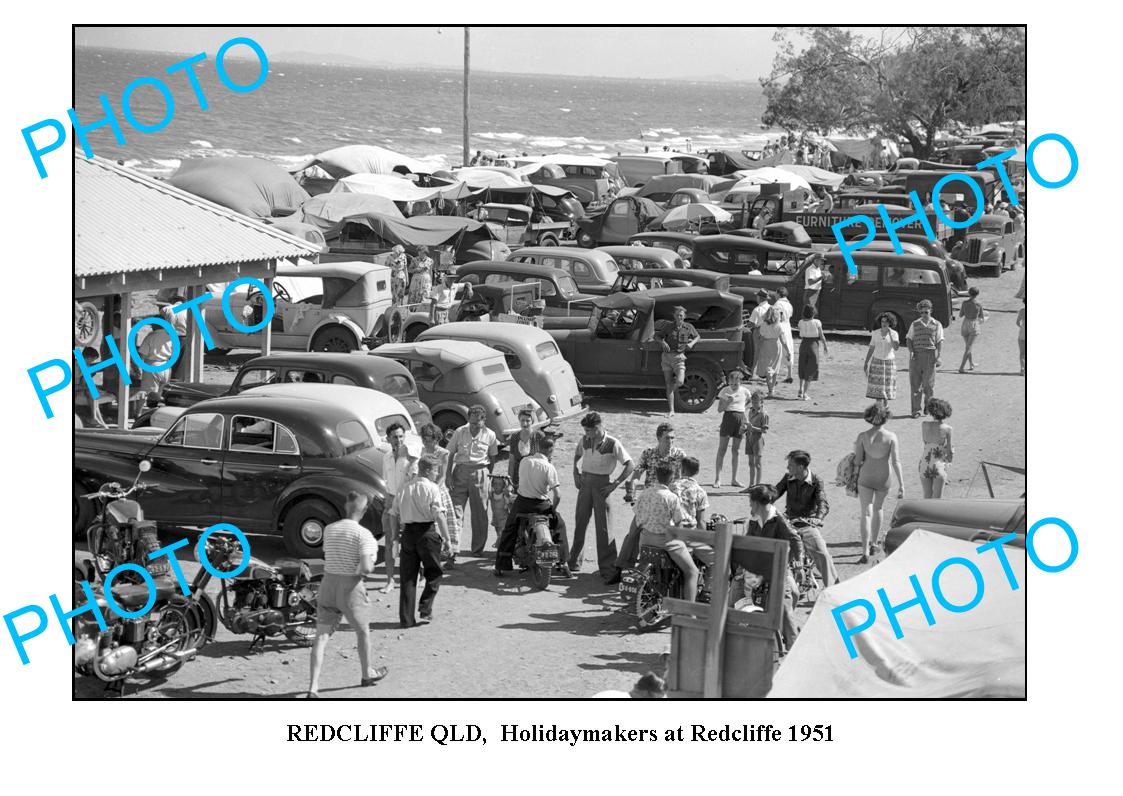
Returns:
(675,338)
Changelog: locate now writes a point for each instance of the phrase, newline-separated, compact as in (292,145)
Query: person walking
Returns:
(424,537)
(770,350)
(785,311)
(875,455)
(925,340)
(881,361)
(349,554)
(753,324)
(596,458)
(732,401)
(1022,336)
(675,338)
(938,450)
(473,450)
(538,493)
(431,438)
(973,318)
(399,464)
(811,337)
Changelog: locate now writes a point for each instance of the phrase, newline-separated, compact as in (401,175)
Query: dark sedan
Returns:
(325,368)
(972,520)
(267,464)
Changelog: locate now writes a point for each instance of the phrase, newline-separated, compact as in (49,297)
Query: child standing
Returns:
(732,402)
(501,497)
(755,429)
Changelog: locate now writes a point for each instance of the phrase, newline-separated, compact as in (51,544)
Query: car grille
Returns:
(974,250)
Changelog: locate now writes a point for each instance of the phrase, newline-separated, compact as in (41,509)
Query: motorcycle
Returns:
(264,600)
(655,577)
(119,533)
(535,549)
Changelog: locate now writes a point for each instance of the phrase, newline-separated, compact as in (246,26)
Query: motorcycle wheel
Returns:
(305,633)
(174,624)
(649,608)
(541,576)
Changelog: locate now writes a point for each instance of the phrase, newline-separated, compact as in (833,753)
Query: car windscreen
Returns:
(610,268)
(566,284)
(547,349)
(383,423)
(398,386)
(353,436)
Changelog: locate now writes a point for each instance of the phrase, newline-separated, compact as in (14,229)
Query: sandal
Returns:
(379,673)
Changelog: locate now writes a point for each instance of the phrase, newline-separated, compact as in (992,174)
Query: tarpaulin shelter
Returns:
(977,653)
(814,175)
(365,159)
(480,177)
(254,187)
(324,210)
(769,175)
(298,229)
(431,231)
(398,189)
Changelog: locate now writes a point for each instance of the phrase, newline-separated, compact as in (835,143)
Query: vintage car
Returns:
(995,241)
(532,357)
(638,257)
(594,181)
(516,226)
(624,217)
(326,307)
(661,189)
(681,243)
(686,196)
(558,289)
(556,203)
(924,181)
(618,349)
(593,271)
(638,169)
(453,375)
(920,244)
(382,375)
(885,282)
(631,280)
(737,255)
(265,463)
(972,520)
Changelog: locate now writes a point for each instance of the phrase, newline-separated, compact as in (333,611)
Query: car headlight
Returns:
(498,411)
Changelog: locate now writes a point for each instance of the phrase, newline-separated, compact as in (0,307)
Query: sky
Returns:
(731,53)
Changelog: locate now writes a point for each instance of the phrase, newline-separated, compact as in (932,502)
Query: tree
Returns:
(909,84)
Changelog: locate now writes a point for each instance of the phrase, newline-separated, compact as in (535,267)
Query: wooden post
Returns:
(267,332)
(719,609)
(467,68)
(123,347)
(194,352)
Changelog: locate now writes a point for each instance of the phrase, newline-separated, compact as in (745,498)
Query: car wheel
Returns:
(547,240)
(448,422)
(304,527)
(414,330)
(585,240)
(699,388)
(999,267)
(334,338)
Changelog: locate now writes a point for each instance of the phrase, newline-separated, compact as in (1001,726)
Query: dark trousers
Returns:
(421,552)
(591,504)
(509,536)
(922,377)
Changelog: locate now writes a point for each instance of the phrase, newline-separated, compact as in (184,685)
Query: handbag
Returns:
(846,475)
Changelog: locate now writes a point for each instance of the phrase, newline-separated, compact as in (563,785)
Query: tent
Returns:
(814,175)
(978,653)
(397,189)
(364,159)
(325,210)
(768,175)
(251,186)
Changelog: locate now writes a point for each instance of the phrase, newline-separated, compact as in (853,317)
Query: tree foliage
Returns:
(908,83)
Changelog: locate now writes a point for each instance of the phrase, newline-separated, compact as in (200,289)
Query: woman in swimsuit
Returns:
(938,450)
(875,452)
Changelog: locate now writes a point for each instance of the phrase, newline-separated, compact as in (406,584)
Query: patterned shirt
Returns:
(656,511)
(926,336)
(651,458)
(345,544)
(693,498)
(676,337)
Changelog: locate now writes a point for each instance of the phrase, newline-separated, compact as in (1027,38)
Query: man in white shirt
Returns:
(784,308)
(349,553)
(537,494)
(399,464)
(424,536)
(473,449)
(813,281)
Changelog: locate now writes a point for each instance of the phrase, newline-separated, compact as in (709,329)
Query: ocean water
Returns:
(304,109)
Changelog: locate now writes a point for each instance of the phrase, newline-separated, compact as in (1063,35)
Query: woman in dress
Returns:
(732,402)
(399,275)
(768,356)
(421,283)
(973,317)
(881,361)
(755,429)
(810,338)
(938,450)
(875,453)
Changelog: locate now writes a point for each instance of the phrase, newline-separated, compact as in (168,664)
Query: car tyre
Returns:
(336,339)
(999,267)
(585,240)
(413,330)
(547,240)
(304,527)
(699,388)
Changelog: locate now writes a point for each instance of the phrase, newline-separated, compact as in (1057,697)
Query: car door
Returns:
(262,459)
(857,294)
(620,223)
(187,472)
(616,354)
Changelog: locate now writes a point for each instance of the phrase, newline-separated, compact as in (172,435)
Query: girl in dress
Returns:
(810,338)
(938,450)
(881,361)
(768,357)
(973,317)
(875,452)
(421,283)
(732,402)
(399,275)
(755,429)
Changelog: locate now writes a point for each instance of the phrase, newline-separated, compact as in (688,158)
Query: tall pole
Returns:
(467,67)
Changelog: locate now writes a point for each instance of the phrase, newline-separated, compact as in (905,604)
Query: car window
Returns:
(202,430)
(398,386)
(550,262)
(545,287)
(304,377)
(619,209)
(284,441)
(383,423)
(513,362)
(610,267)
(867,275)
(905,277)
(494,370)
(547,349)
(338,379)
(354,437)
(423,371)
(258,435)
(254,377)
(499,279)
(380,285)
(566,284)
(678,263)
(577,269)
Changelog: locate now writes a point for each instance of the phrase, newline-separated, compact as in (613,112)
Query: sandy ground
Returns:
(569,641)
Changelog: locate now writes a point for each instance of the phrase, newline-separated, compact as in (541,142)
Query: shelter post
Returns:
(194,352)
(123,347)
(267,332)
(467,67)
(719,609)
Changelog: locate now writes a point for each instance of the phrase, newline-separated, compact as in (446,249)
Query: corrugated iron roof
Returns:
(125,222)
